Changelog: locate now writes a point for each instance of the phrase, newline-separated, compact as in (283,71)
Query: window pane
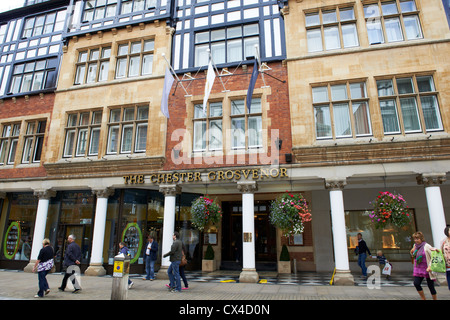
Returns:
(320,94)
(198,111)
(201,55)
(362,118)
(256,105)
(133,69)
(38,81)
(425,84)
(103,73)
(312,19)
(70,141)
(199,135)
(412,27)
(254,132)
(371,11)
(147,64)
(339,92)
(218,52)
(135,47)
(38,149)
(323,121)
(314,40)
(237,107)
(81,144)
(215,109)
(346,14)
(92,73)
(142,113)
(27,149)
(215,135)
(374,32)
(121,68)
(408,6)
(249,46)
(389,115)
(234,50)
(128,114)
(358,90)
(329,17)
(393,30)
(349,35)
(112,139)
(238,132)
(95,138)
(12,151)
(342,120)
(385,88)
(410,114)
(389,8)
(431,113)
(141,137)
(405,86)
(332,39)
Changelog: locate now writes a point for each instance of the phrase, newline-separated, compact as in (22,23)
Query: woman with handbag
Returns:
(43,265)
(421,252)
(445,247)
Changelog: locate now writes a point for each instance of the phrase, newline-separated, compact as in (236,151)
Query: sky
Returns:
(6,5)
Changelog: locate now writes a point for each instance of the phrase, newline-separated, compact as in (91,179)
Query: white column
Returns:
(248,273)
(39,224)
(431,183)
(96,263)
(170,192)
(342,275)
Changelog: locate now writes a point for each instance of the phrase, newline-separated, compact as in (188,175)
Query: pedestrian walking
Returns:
(124,250)
(72,258)
(43,265)
(445,247)
(421,252)
(150,256)
(175,254)
(362,251)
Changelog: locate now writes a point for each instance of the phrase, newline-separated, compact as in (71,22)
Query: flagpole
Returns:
(260,66)
(176,76)
(214,64)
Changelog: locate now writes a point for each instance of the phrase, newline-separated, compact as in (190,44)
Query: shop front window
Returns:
(19,226)
(395,243)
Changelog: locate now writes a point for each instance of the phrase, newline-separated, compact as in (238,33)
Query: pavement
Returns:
(19,285)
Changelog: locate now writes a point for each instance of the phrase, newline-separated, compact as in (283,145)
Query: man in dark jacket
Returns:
(72,257)
(362,255)
(150,255)
(175,254)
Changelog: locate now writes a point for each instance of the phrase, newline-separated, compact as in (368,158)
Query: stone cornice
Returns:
(102,168)
(432,179)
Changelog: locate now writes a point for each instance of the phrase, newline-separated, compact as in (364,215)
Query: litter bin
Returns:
(121,272)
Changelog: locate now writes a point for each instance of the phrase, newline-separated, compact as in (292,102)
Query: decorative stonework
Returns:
(335,184)
(247,187)
(170,189)
(432,179)
(45,194)
(103,193)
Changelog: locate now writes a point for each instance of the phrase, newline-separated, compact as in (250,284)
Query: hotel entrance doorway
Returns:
(265,236)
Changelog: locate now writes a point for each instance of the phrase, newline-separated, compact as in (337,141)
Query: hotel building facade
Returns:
(351,99)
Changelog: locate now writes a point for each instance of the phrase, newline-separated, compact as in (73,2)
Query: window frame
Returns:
(129,56)
(98,62)
(330,103)
(416,94)
(36,136)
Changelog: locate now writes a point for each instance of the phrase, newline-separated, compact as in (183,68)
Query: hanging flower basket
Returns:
(289,212)
(389,208)
(203,211)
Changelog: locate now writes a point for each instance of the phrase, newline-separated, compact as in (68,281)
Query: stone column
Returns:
(170,192)
(431,182)
(96,263)
(248,273)
(39,225)
(342,275)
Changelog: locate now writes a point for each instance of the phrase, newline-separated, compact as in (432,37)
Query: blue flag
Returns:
(252,85)
(168,81)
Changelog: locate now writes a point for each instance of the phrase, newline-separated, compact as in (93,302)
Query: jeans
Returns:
(43,284)
(174,275)
(362,263)
(149,268)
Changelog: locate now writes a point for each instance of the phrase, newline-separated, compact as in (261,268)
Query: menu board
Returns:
(132,236)
(12,240)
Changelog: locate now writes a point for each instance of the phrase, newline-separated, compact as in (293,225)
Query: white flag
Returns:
(168,81)
(210,76)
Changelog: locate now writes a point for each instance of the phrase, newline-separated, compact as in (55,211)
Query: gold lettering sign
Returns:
(220,175)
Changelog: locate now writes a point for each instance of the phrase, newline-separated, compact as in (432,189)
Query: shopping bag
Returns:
(387,269)
(437,261)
